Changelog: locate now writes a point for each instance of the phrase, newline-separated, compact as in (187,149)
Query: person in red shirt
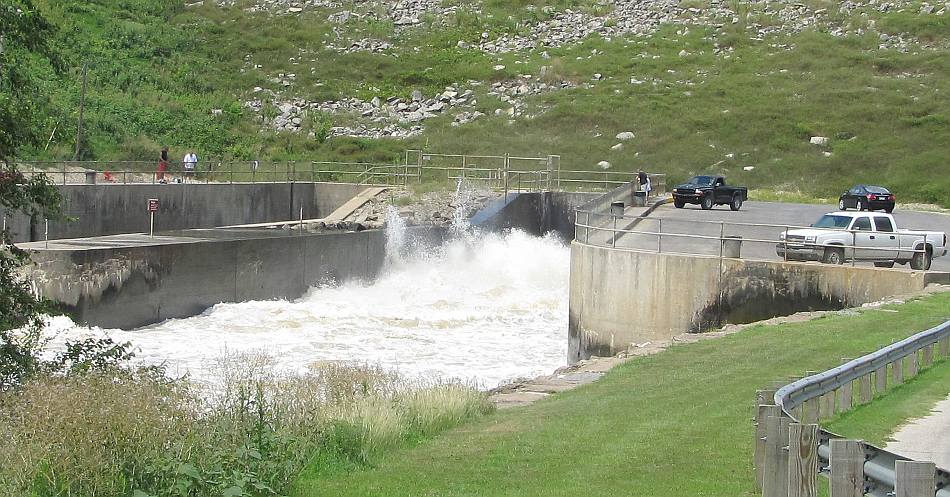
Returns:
(162,166)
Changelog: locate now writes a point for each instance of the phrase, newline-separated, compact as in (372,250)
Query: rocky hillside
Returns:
(804,97)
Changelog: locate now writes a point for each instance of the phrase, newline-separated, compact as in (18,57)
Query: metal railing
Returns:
(500,172)
(687,237)
(784,414)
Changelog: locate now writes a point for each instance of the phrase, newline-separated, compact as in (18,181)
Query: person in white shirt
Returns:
(190,162)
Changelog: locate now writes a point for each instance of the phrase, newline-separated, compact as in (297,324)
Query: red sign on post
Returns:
(153,205)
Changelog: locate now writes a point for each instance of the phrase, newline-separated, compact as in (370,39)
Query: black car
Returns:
(867,198)
(707,191)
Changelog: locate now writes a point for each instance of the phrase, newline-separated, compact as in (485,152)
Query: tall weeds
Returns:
(140,435)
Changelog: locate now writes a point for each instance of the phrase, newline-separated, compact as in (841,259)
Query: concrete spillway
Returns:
(486,310)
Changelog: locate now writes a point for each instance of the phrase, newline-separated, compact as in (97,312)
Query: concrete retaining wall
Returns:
(620,297)
(535,213)
(114,209)
(135,286)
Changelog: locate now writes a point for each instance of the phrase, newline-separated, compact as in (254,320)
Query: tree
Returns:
(25,46)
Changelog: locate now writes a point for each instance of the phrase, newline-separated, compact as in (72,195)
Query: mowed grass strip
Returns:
(878,421)
(677,423)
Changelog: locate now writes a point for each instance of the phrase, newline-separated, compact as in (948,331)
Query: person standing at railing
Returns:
(162,166)
(190,163)
(643,182)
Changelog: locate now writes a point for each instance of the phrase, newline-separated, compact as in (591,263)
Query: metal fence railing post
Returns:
(613,234)
(506,176)
(587,230)
(785,244)
(722,232)
(854,247)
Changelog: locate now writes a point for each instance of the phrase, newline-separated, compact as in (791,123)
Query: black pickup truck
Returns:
(708,191)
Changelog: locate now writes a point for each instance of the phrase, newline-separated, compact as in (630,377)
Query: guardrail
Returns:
(791,449)
(500,172)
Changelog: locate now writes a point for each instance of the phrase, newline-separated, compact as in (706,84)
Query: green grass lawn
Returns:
(677,423)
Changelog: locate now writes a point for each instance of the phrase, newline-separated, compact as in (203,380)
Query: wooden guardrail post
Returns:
(764,397)
(775,465)
(928,355)
(845,392)
(845,397)
(827,405)
(864,394)
(913,365)
(810,414)
(847,468)
(945,346)
(802,460)
(763,413)
(914,479)
(880,379)
(897,371)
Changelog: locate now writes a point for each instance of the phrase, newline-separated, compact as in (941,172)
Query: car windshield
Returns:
(702,180)
(829,221)
(877,189)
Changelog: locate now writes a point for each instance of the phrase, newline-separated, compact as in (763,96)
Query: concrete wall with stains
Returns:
(536,213)
(130,287)
(99,210)
(623,297)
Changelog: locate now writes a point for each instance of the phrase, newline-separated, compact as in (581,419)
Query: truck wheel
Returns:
(678,203)
(707,203)
(736,203)
(833,255)
(884,264)
(921,261)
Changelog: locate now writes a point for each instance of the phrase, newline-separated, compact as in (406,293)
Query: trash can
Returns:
(90,177)
(731,246)
(639,199)
(616,209)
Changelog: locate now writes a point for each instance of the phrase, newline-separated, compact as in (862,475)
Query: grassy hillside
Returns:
(720,87)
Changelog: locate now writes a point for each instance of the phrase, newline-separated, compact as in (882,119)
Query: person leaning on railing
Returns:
(643,182)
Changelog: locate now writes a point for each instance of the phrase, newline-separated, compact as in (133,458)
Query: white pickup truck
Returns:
(862,236)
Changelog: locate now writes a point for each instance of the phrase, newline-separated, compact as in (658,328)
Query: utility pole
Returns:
(82,108)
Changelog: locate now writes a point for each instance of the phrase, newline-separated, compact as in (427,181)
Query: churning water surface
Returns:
(482,309)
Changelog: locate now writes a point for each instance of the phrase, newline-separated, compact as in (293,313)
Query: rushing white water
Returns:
(483,311)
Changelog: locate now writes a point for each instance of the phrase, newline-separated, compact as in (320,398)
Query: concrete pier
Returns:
(130,281)
(622,297)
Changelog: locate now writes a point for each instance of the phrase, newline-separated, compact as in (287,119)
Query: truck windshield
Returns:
(702,180)
(829,221)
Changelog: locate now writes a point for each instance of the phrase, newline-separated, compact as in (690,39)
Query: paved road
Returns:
(674,220)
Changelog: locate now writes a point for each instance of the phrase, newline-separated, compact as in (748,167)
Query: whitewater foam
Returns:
(484,312)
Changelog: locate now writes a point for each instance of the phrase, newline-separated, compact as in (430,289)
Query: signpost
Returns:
(152,209)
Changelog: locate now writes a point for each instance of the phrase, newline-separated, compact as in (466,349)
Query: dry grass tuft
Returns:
(115,434)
